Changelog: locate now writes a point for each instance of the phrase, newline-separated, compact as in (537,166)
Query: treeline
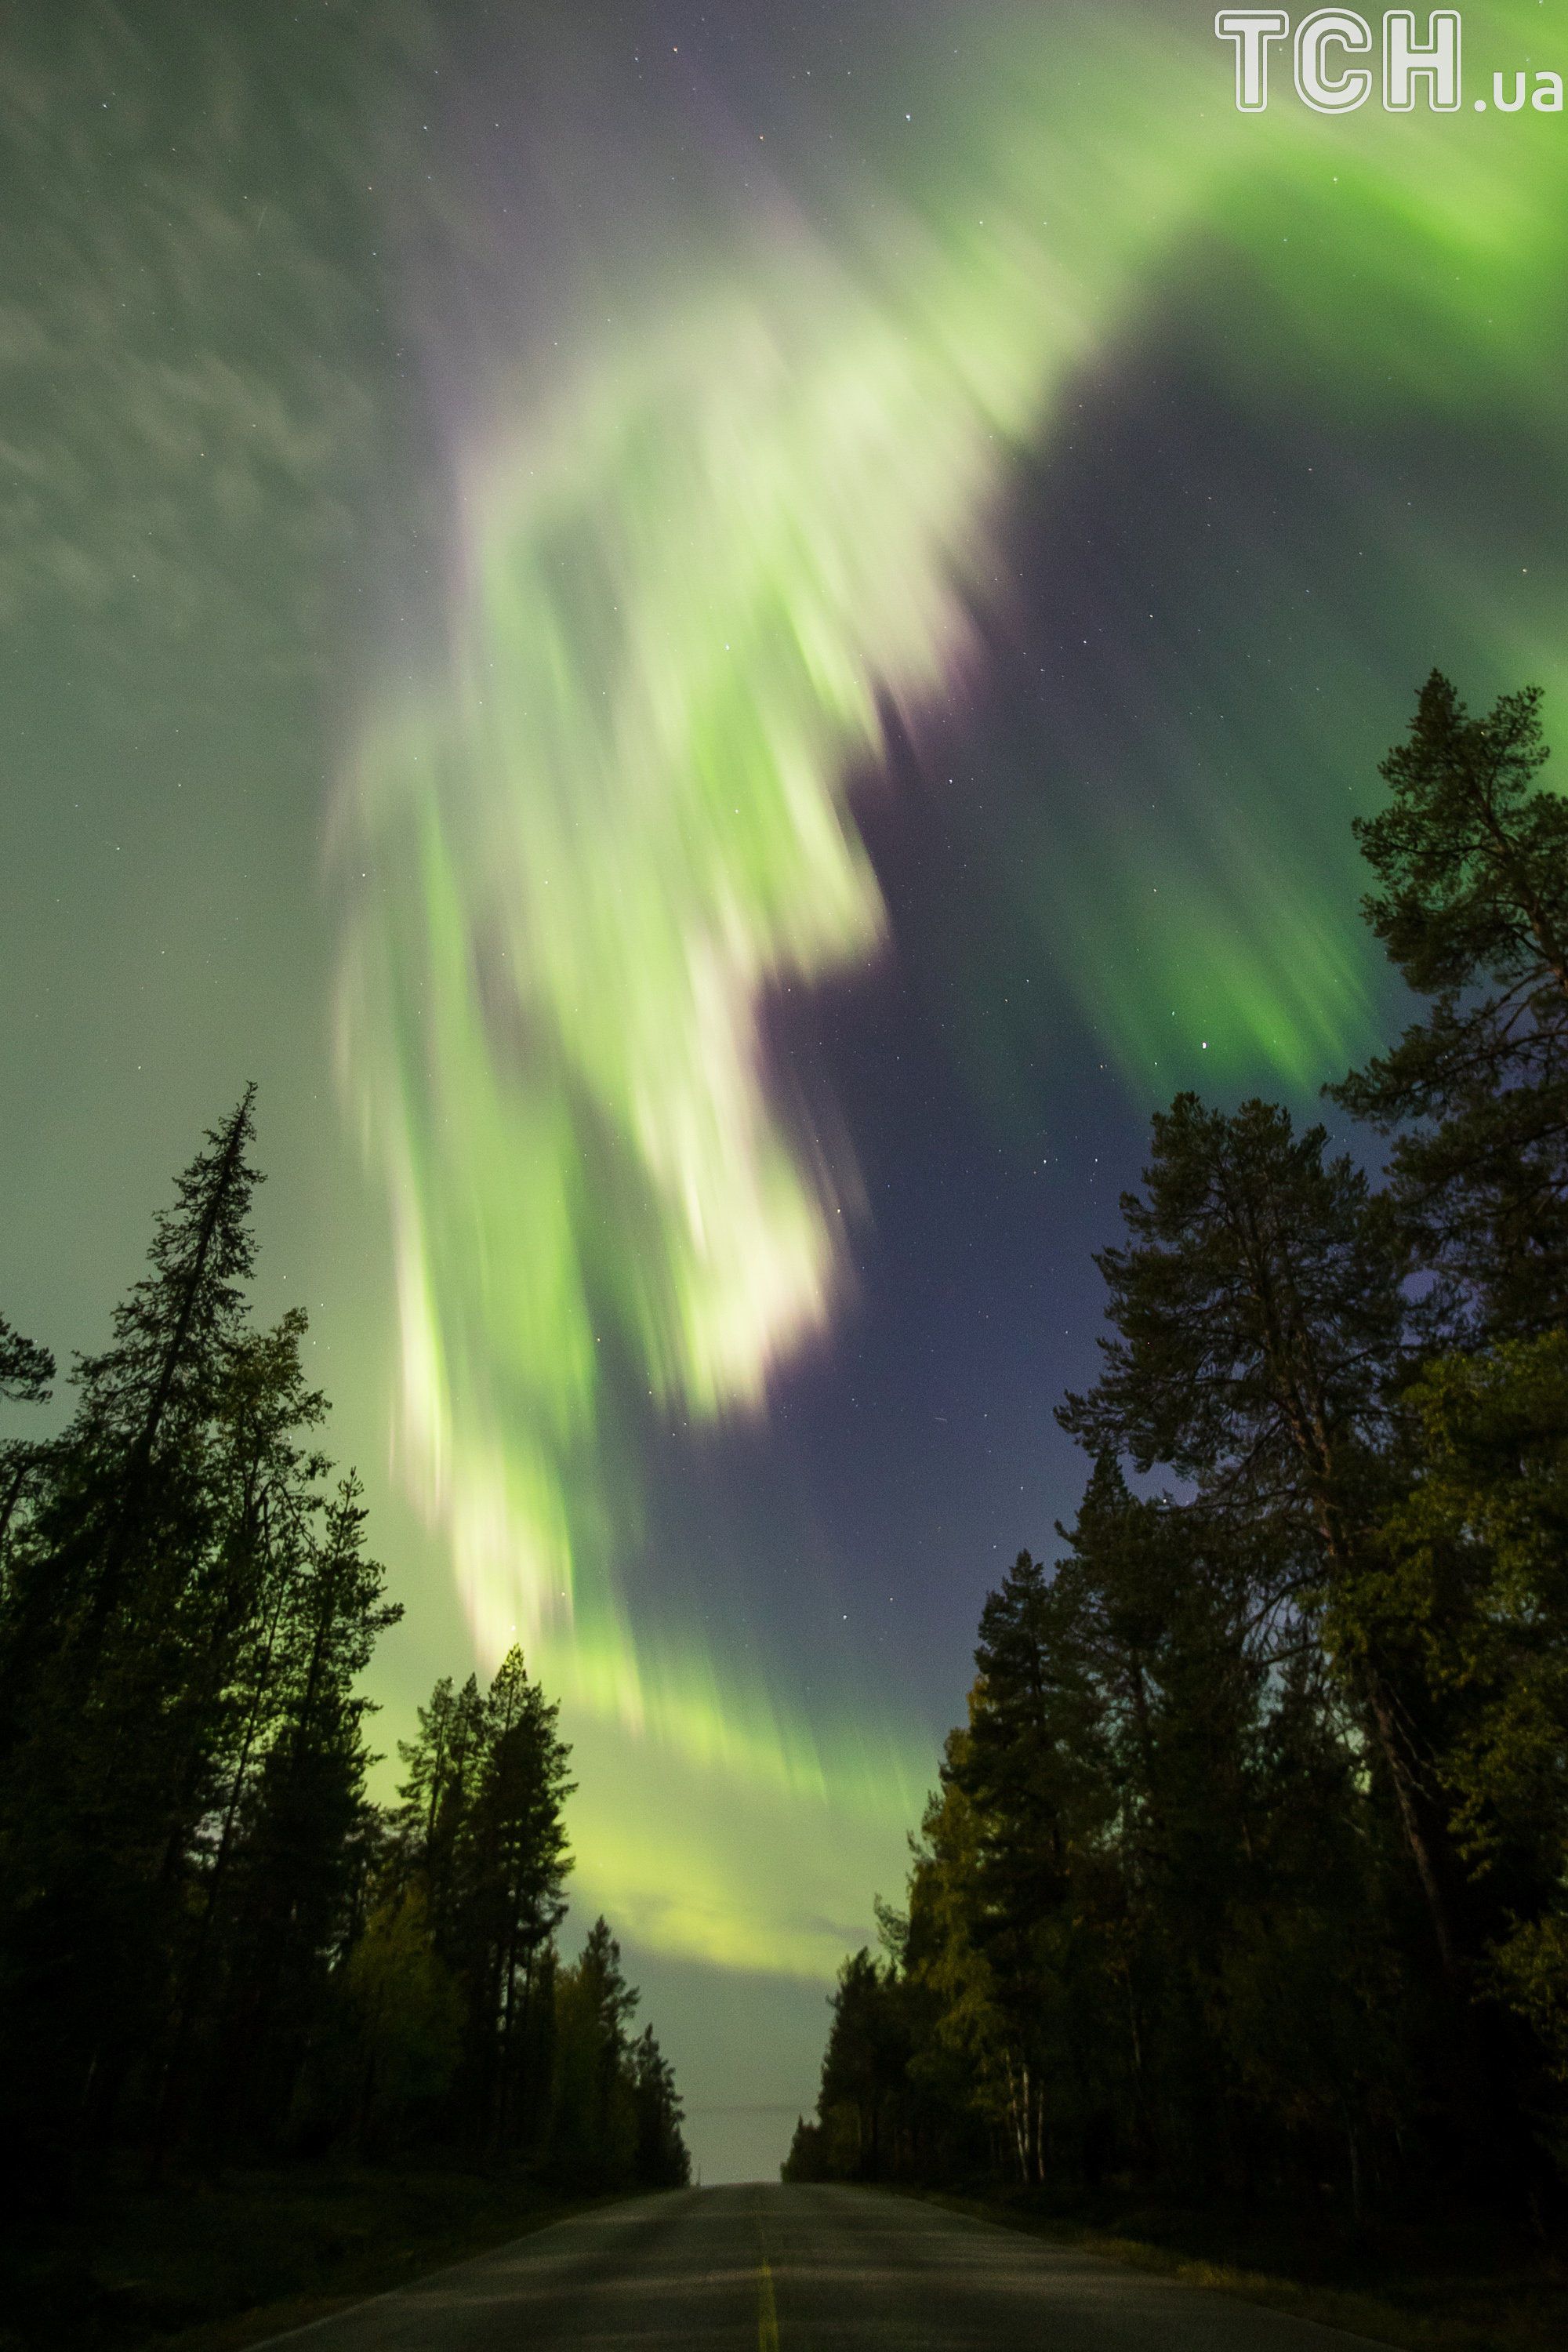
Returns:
(1247,1877)
(213,1944)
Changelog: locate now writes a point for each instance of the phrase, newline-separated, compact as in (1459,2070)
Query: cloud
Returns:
(200,416)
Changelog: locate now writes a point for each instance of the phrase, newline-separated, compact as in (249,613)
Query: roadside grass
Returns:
(212,2266)
(1421,2290)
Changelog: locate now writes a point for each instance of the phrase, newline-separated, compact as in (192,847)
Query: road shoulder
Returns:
(1415,2311)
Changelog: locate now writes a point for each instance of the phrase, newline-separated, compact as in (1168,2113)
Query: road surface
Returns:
(759,2269)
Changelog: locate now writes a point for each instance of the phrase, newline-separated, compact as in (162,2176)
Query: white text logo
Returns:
(1337,60)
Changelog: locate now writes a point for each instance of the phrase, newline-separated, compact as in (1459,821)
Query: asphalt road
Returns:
(800,2270)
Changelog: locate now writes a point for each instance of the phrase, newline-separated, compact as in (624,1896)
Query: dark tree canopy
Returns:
(25,1368)
(1245,1878)
(1470,858)
(213,1944)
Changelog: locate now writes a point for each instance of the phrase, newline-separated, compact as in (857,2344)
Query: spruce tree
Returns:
(211,1943)
(106,1692)
(289,1910)
(235,1615)
(661,2160)
(130,1507)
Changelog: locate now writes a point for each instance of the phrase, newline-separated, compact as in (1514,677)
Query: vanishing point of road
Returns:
(800,2270)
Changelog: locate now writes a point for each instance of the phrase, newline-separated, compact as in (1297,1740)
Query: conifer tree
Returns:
(1474,1583)
(132,1494)
(513,1867)
(211,1942)
(1162,1917)
(443,1763)
(25,1372)
(237,1616)
(1261,1321)
(25,1368)
(294,1855)
(404,2022)
(480,1832)
(107,1692)
(661,2159)
(1472,861)
(594,2126)
(966,2066)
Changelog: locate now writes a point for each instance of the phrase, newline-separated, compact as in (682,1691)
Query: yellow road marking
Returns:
(767,2316)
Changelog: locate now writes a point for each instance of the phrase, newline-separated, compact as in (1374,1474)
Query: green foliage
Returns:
(406,2018)
(1262,1323)
(615,2117)
(212,1943)
(1474,1575)
(1258,1312)
(806,2159)
(480,1833)
(26,1371)
(1247,1876)
(1471,858)
(25,1368)
(130,1597)
(660,2160)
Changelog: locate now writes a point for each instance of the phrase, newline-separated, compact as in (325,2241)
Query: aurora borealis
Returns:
(768,629)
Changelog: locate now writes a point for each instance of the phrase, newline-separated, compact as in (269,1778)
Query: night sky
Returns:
(718,644)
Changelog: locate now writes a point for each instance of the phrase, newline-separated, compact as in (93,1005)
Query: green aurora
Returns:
(755,513)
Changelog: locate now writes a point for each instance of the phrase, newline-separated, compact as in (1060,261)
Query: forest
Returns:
(1246,1877)
(215,1945)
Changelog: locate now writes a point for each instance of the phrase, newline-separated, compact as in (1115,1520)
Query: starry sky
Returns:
(717,642)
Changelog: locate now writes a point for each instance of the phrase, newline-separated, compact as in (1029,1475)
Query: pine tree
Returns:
(443,1765)
(238,1616)
(293,1854)
(1474,1583)
(594,2134)
(865,2068)
(25,1368)
(25,1372)
(513,1867)
(480,1832)
(966,2067)
(211,1942)
(1260,1321)
(1029,1765)
(1146,1928)
(1030,1770)
(1472,861)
